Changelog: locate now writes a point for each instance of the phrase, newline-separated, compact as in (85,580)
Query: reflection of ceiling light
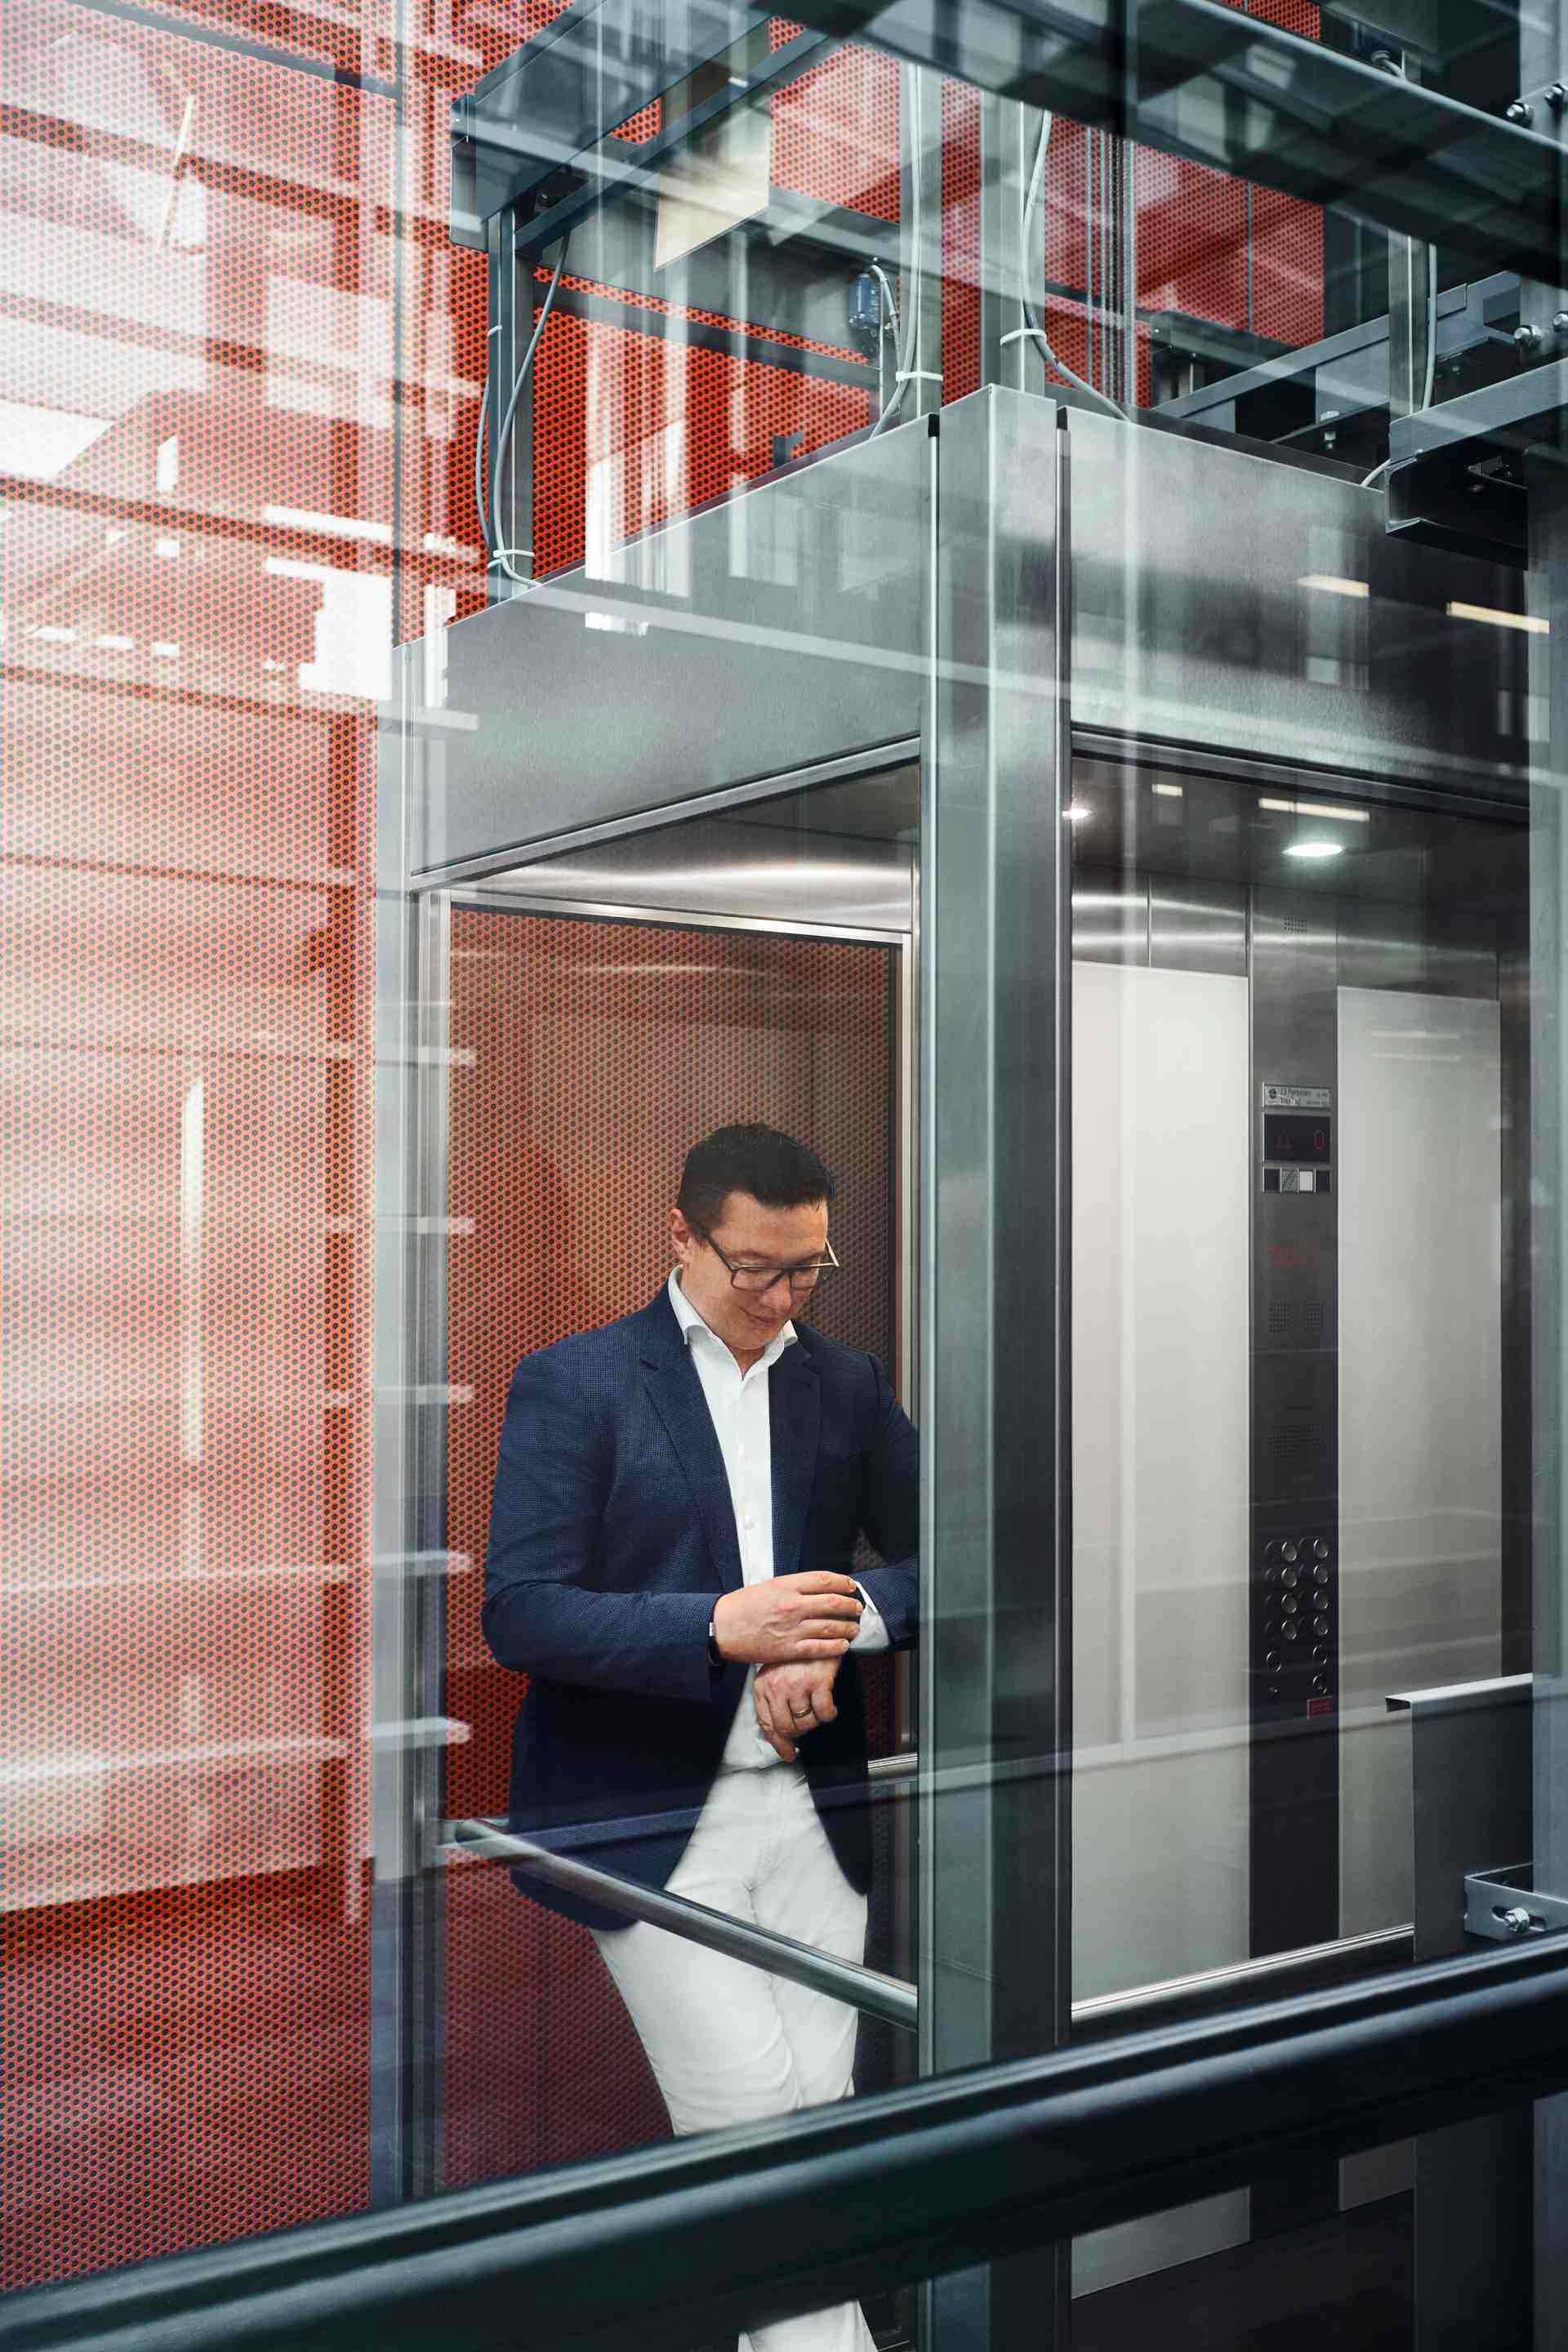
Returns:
(1319,808)
(48,635)
(1332,586)
(1075,812)
(1529,622)
(40,443)
(169,549)
(115,644)
(1170,792)
(1315,849)
(165,650)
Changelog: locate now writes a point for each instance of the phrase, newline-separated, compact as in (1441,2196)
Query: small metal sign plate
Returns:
(1278,1097)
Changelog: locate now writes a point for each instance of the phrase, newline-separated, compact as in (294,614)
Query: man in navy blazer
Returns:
(678,1501)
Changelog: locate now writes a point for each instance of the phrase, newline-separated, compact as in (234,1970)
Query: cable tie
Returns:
(1021,335)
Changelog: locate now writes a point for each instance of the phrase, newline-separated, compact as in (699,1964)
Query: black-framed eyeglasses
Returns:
(806,1277)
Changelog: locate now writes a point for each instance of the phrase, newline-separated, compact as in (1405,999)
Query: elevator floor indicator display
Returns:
(1298,1138)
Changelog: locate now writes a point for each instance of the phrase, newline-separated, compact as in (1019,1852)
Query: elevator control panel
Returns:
(1296,1140)
(1298,1623)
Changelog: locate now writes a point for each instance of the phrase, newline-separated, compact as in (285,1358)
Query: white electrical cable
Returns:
(1032,330)
(908,314)
(498,553)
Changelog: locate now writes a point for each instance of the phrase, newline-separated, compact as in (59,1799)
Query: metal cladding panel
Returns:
(590,1055)
(792,619)
(1298,632)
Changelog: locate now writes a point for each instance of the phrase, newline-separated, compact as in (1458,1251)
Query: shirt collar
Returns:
(690,1321)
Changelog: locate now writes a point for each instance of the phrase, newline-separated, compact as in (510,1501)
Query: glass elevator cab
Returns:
(1112,852)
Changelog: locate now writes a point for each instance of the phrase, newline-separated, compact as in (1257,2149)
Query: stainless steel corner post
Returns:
(996,1644)
(1549,1301)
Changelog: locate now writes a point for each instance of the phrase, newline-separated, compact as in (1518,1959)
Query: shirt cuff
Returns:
(872,1632)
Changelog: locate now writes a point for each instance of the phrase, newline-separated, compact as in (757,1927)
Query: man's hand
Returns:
(792,1701)
(787,1620)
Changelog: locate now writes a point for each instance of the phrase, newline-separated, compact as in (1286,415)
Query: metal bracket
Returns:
(1503,1906)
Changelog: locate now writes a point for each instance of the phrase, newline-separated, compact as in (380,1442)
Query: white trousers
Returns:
(727,2043)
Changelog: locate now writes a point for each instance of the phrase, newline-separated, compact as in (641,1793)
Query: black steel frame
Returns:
(695,2238)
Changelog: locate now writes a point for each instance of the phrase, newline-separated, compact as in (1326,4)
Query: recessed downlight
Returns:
(1315,849)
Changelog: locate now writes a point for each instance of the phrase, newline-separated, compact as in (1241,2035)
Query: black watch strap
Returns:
(715,1658)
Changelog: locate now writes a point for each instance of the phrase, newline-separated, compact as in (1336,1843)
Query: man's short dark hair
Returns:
(762,1160)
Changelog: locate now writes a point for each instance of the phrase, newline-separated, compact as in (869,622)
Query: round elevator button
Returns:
(1320,1685)
(1271,1551)
(1319,1655)
(1320,1575)
(1290,1578)
(1271,1576)
(1273,1690)
(1320,1627)
(1321,1548)
(1271,1660)
(1289,1551)
(1291,1633)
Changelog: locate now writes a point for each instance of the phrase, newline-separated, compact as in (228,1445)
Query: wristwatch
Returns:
(715,1656)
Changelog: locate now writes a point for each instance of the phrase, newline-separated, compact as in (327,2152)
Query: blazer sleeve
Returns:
(892,1513)
(544,1610)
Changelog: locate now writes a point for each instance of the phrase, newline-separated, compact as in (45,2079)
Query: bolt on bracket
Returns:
(1503,1906)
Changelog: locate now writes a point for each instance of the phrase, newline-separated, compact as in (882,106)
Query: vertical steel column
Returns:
(512,310)
(995,1729)
(919,231)
(1008,131)
(1549,1172)
(408,1501)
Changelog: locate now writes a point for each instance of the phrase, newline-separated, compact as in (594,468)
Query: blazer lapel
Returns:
(677,1399)
(795,1414)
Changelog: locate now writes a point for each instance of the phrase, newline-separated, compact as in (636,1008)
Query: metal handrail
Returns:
(885,1997)
(903,2184)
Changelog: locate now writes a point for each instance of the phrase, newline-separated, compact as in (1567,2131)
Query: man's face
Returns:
(750,1235)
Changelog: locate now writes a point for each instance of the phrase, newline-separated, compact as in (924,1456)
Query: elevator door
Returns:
(588,1054)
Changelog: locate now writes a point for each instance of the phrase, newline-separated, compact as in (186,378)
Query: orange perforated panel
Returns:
(198,631)
(835,131)
(632,428)
(599,1052)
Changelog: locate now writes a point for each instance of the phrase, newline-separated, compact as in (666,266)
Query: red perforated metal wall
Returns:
(590,1055)
(198,399)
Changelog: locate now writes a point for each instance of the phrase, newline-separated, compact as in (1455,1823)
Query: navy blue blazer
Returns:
(612,1534)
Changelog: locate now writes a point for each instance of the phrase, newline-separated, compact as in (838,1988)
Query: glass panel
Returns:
(983,595)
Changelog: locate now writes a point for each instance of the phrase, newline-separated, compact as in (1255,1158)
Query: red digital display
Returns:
(1300,1139)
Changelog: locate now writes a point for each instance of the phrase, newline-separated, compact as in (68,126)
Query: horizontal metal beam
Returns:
(700,2236)
(1234,91)
(889,1998)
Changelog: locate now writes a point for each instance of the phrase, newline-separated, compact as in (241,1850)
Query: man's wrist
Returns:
(715,1655)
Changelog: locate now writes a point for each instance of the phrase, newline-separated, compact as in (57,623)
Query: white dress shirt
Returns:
(738,1405)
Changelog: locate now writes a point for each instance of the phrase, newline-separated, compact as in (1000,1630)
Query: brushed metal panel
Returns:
(715,866)
(1197,926)
(1110,920)
(1223,598)
(786,627)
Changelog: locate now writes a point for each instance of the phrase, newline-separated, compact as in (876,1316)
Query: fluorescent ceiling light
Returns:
(48,635)
(1333,809)
(1332,586)
(165,650)
(169,549)
(1500,620)
(39,444)
(115,644)
(1315,849)
(1170,792)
